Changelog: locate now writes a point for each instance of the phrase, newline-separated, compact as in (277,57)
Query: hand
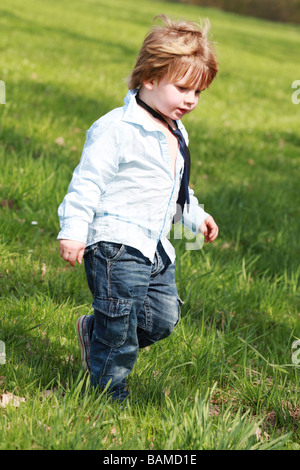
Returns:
(209,229)
(71,251)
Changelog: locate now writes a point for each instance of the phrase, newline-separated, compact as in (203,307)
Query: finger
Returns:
(69,258)
(72,259)
(80,256)
(214,234)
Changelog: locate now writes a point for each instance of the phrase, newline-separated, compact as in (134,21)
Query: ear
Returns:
(149,84)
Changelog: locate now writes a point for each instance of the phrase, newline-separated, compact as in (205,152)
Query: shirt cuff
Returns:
(194,218)
(73,229)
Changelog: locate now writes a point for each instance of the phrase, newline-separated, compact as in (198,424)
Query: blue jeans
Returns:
(135,305)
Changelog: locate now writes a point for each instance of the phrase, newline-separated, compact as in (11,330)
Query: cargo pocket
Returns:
(112,321)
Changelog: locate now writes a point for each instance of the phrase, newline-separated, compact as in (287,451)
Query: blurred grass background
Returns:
(64,65)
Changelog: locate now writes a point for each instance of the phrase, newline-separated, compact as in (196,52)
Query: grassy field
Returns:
(227,378)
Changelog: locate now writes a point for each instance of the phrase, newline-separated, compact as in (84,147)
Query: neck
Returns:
(145,95)
(146,98)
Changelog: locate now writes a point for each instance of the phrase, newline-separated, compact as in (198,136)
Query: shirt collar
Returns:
(133,113)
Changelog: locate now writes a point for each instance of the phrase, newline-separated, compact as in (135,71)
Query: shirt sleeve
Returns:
(193,218)
(98,166)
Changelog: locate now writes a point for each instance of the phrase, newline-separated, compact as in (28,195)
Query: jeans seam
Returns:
(108,273)
(107,362)
(148,322)
(94,272)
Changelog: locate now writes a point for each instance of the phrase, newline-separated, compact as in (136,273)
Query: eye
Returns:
(181,88)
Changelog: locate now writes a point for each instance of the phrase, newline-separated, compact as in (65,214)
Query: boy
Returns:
(122,200)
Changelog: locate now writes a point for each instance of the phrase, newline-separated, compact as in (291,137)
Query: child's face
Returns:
(173,99)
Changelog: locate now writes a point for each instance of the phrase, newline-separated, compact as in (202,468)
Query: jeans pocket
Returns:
(89,249)
(111,250)
(111,320)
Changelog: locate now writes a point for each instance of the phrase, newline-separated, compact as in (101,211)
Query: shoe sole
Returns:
(80,335)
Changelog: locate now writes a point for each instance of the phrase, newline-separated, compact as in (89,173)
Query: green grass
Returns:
(225,379)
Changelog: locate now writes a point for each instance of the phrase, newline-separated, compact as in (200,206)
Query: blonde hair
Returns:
(172,50)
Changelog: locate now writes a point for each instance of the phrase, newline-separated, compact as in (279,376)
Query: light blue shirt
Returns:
(124,189)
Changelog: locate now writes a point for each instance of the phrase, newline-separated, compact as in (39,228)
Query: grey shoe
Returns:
(83,333)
